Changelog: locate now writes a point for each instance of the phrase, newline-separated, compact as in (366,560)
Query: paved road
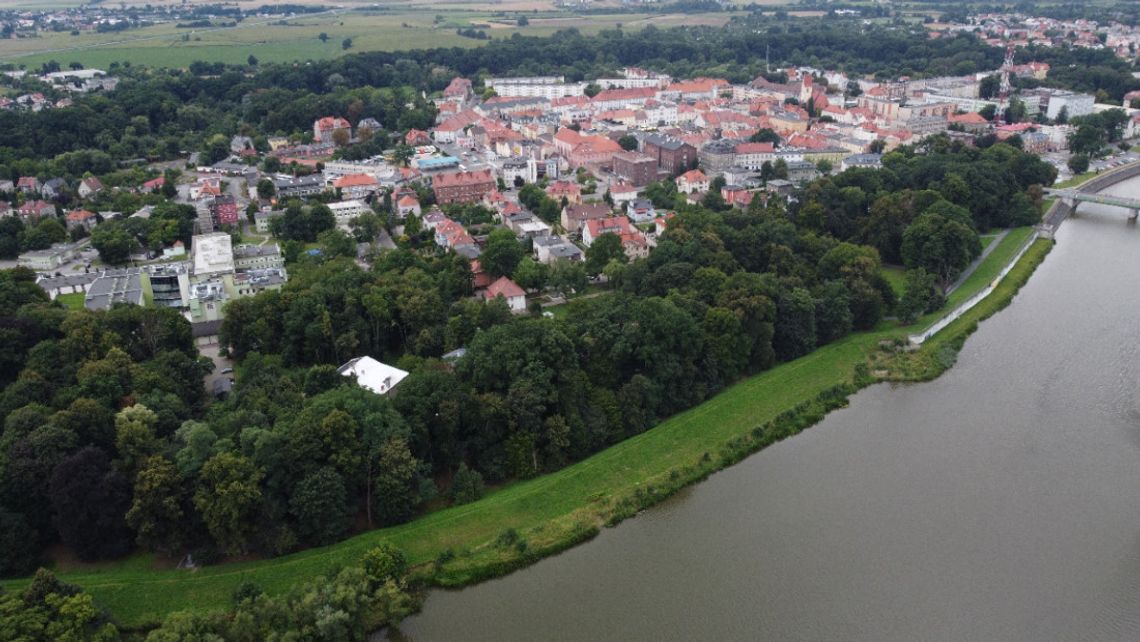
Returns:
(978,261)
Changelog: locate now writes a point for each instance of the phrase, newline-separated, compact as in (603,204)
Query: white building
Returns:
(1075,104)
(378,377)
(345,211)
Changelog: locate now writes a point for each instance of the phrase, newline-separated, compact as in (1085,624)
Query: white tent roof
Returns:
(373,375)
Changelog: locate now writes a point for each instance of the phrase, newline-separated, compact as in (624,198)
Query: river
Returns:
(998,502)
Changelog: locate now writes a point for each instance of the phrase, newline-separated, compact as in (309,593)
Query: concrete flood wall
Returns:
(1053,218)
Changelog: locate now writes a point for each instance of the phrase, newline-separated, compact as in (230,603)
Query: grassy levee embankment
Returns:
(457,545)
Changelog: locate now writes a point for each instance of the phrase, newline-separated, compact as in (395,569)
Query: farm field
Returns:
(274,40)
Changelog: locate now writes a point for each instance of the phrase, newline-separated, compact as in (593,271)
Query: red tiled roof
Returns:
(504,287)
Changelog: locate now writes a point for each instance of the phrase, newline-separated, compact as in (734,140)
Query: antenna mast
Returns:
(1004,91)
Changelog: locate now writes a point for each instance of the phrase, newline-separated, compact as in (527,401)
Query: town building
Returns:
(636,168)
(672,154)
(323,128)
(462,186)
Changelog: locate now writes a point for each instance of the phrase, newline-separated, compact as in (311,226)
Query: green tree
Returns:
(795,324)
(568,277)
(530,274)
(19,552)
(385,563)
(765,135)
(941,245)
(1079,163)
(135,437)
(228,498)
(402,154)
(266,189)
(628,142)
(396,483)
(156,513)
(113,242)
(607,247)
(920,296)
(89,499)
(320,505)
(502,253)
(466,486)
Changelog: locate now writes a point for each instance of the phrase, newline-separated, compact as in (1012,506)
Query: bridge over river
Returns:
(1073,197)
(1090,192)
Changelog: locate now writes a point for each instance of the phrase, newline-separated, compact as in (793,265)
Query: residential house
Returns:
(242,146)
(53,188)
(35,209)
(28,185)
(368,124)
(80,219)
(574,216)
(417,138)
(154,184)
(693,181)
(622,193)
(514,295)
(323,128)
(7,187)
(89,187)
(548,249)
(407,204)
(568,190)
(640,210)
(356,186)
(612,225)
(526,225)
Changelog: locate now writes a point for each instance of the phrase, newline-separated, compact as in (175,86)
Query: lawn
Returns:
(896,276)
(1074,181)
(552,511)
(73,301)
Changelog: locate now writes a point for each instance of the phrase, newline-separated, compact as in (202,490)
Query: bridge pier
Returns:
(1133,214)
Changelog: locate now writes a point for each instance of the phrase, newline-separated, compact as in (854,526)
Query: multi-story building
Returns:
(224,211)
(289,186)
(672,154)
(636,168)
(323,128)
(548,87)
(462,187)
(753,155)
(717,156)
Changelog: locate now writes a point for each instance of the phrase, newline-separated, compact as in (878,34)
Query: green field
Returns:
(73,301)
(551,512)
(268,41)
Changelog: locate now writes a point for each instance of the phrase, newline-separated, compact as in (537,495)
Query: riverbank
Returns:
(517,525)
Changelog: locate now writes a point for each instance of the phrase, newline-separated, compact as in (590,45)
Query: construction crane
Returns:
(1004,90)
